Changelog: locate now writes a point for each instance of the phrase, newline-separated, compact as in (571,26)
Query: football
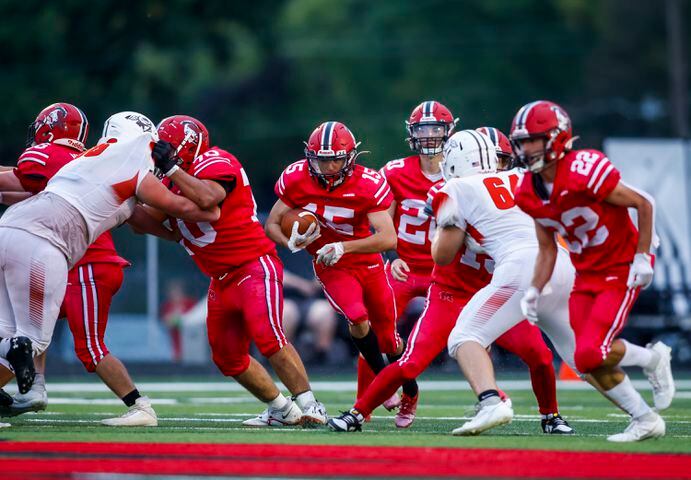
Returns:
(303,217)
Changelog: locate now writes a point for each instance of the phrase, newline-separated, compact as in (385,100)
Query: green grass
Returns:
(204,417)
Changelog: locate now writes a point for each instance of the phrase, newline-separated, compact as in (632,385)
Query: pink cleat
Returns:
(393,402)
(406,414)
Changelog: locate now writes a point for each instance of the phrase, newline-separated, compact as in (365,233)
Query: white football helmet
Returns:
(466,153)
(125,125)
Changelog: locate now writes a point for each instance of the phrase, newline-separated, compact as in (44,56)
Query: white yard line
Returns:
(319,386)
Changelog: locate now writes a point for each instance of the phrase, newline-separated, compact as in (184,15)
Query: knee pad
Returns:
(232,367)
(588,358)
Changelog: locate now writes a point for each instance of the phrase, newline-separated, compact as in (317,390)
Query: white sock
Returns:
(305,399)
(636,356)
(5,346)
(629,399)
(39,382)
(279,402)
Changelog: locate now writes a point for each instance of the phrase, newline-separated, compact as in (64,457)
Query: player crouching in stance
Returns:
(347,199)
(245,301)
(579,195)
(44,236)
(476,209)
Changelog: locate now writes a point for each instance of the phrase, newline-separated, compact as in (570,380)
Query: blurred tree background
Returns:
(263,74)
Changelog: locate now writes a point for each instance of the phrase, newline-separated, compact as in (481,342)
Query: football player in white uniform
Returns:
(476,207)
(44,236)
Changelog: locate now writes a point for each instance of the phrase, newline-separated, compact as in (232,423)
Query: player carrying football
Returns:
(348,199)
(579,195)
(245,300)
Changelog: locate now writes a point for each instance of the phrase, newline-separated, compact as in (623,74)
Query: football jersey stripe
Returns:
(32,151)
(388,190)
(381,189)
(603,177)
(30,159)
(601,164)
(208,164)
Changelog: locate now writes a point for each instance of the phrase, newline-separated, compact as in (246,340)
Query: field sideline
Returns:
(203,413)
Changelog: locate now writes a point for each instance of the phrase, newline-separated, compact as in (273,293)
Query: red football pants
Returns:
(363,294)
(428,339)
(90,289)
(416,285)
(598,311)
(246,305)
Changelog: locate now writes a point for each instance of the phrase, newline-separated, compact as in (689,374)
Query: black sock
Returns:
(369,348)
(487,394)
(410,386)
(131,397)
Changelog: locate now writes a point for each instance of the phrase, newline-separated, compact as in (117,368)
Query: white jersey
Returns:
(483,206)
(102,183)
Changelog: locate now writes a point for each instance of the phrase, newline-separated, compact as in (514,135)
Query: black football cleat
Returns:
(21,358)
(346,422)
(555,425)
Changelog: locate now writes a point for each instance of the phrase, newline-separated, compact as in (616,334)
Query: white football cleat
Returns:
(272,417)
(640,429)
(487,416)
(35,400)
(660,376)
(314,414)
(138,415)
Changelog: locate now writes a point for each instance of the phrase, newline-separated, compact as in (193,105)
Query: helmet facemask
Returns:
(537,161)
(428,138)
(330,180)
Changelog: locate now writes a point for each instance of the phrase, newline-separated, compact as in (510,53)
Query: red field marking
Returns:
(21,458)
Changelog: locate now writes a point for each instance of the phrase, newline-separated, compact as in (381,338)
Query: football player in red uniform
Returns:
(503,146)
(579,195)
(348,199)
(57,137)
(245,301)
(448,289)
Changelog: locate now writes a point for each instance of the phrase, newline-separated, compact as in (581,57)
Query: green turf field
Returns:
(207,414)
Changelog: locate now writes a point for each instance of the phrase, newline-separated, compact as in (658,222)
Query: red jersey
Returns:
(469,272)
(599,235)
(342,212)
(36,166)
(415,228)
(236,237)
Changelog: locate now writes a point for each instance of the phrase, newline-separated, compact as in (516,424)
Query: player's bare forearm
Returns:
(143,223)
(446,244)
(383,239)
(5,168)
(377,243)
(272,227)
(546,257)
(10,198)
(9,182)
(625,196)
(205,193)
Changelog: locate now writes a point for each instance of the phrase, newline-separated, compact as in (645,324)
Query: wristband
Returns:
(172,170)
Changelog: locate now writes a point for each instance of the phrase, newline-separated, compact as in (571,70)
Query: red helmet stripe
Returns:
(327,136)
(82,126)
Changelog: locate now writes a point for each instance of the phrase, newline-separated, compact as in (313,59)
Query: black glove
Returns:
(164,156)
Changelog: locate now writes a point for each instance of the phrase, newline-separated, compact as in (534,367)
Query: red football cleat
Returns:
(406,414)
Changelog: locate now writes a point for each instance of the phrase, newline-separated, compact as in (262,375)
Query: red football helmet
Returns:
(503,146)
(61,123)
(331,141)
(429,126)
(541,119)
(188,135)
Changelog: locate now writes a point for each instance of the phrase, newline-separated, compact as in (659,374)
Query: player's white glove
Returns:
(529,304)
(298,241)
(330,253)
(640,271)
